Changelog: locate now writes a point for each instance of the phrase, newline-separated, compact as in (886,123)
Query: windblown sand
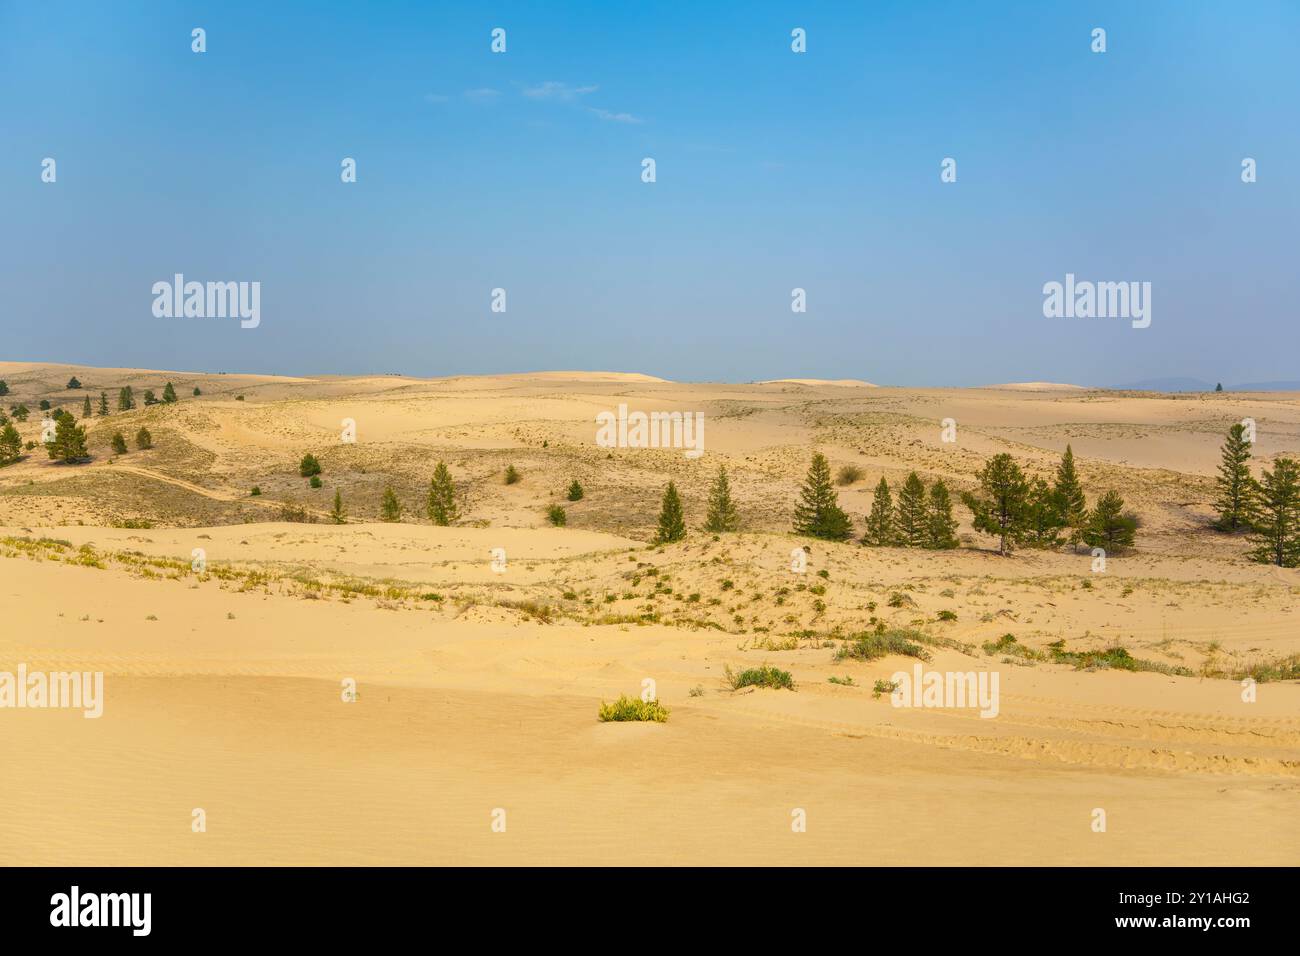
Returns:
(478,690)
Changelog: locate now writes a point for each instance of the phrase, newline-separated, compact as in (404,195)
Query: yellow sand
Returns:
(224,692)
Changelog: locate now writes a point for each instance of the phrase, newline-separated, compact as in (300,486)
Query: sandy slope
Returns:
(224,688)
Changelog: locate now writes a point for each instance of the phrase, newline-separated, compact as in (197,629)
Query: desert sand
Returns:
(477,688)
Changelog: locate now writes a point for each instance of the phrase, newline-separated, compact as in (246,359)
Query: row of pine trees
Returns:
(1266,509)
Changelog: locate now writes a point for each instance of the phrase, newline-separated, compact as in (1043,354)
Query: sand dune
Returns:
(226,624)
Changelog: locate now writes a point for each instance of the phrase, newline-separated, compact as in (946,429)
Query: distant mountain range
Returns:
(1199,385)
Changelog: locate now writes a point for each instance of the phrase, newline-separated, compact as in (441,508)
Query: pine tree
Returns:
(1108,526)
(942,534)
(441,505)
(1276,520)
(73,383)
(4,387)
(119,443)
(880,523)
(308,466)
(1070,501)
(1218,387)
(11,445)
(149,397)
(1234,482)
(197,391)
(1044,515)
(390,509)
(19,412)
(103,403)
(672,527)
(169,393)
(125,399)
(1000,508)
(722,515)
(337,514)
(575,491)
(818,512)
(911,519)
(69,442)
(143,440)
(85,408)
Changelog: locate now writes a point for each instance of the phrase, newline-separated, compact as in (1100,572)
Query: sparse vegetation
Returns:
(765,676)
(633,708)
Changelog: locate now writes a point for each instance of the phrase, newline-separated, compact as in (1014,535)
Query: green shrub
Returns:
(557,516)
(848,474)
(871,645)
(632,708)
(765,676)
(512,475)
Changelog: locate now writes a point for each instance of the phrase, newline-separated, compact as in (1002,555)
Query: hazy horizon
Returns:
(775,170)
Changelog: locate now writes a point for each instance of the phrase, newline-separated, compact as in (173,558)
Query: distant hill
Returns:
(1177,384)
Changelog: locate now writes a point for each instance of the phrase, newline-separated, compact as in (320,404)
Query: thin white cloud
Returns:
(616,117)
(554,90)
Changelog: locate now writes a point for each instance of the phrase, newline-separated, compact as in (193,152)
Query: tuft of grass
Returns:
(1007,644)
(883,687)
(871,645)
(765,676)
(845,681)
(947,615)
(848,474)
(632,708)
(1113,658)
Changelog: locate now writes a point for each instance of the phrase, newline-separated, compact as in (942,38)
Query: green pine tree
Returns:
(672,526)
(4,387)
(103,403)
(1108,525)
(119,443)
(73,383)
(1070,501)
(11,445)
(1044,515)
(69,443)
(1218,387)
(818,512)
(337,514)
(942,534)
(911,520)
(85,408)
(576,492)
(308,466)
(169,393)
(125,399)
(390,509)
(1276,519)
(441,505)
(880,523)
(143,440)
(722,514)
(1234,482)
(149,397)
(999,509)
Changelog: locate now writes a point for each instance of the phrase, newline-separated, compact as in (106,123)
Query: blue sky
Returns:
(775,170)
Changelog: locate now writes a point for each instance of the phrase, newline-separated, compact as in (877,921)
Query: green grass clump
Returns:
(870,645)
(1007,644)
(845,681)
(765,676)
(632,708)
(1114,658)
(883,687)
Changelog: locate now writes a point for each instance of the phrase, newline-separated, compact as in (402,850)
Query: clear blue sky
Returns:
(775,170)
